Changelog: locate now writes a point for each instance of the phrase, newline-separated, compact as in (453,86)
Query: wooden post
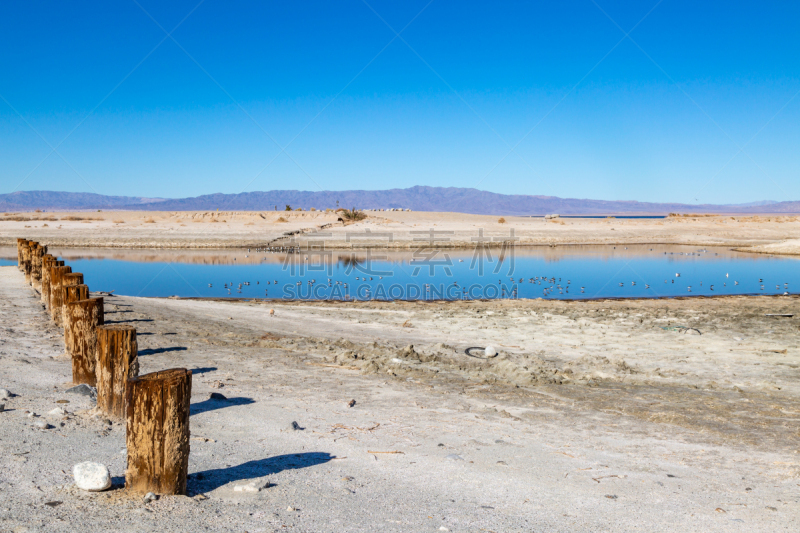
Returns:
(20,260)
(71,293)
(84,316)
(47,262)
(67,280)
(157,419)
(117,361)
(27,249)
(51,281)
(36,266)
(56,278)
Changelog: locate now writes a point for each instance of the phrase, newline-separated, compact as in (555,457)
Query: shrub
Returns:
(352,215)
(281,219)
(119,222)
(150,221)
(288,208)
(501,220)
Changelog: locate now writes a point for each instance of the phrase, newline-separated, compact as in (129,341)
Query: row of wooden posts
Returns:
(155,406)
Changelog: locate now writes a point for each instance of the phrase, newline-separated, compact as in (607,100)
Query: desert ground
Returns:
(602,415)
(389,229)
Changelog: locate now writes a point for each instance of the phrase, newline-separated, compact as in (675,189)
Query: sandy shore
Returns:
(593,417)
(400,230)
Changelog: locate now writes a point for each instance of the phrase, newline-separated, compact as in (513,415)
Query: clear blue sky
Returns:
(700,104)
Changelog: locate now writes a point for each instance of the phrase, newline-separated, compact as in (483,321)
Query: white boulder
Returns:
(489,351)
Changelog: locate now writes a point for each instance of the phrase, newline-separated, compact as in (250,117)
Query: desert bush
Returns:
(352,215)
(119,222)
(197,220)
(72,218)
(149,221)
(313,209)
(299,209)
(288,208)
(501,220)
(214,220)
(281,219)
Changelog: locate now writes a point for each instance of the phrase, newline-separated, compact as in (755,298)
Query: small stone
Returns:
(502,463)
(290,509)
(41,424)
(92,477)
(149,497)
(489,351)
(31,414)
(5,395)
(57,412)
(296,427)
(2,407)
(351,403)
(217,396)
(200,497)
(84,390)
(454,457)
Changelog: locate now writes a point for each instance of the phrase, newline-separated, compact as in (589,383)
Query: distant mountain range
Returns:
(419,198)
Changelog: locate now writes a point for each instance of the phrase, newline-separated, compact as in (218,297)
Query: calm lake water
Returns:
(574,272)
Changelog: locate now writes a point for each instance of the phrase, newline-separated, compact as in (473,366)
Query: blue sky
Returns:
(698,104)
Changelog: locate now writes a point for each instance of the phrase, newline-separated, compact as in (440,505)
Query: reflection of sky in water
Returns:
(598,270)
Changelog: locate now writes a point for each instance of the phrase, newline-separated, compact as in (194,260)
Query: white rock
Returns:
(41,424)
(93,477)
(57,412)
(490,351)
(4,394)
(149,497)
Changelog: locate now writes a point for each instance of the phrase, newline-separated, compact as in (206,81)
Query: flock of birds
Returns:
(552,284)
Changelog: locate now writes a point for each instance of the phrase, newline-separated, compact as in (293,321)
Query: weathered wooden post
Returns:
(157,419)
(27,252)
(36,266)
(84,316)
(55,288)
(51,276)
(117,361)
(19,254)
(71,293)
(67,280)
(47,261)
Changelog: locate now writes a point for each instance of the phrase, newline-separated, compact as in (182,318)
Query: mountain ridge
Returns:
(417,198)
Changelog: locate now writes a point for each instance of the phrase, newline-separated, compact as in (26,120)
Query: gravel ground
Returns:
(591,418)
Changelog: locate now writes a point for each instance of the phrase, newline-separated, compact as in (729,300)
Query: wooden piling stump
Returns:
(67,280)
(19,254)
(36,265)
(71,293)
(117,361)
(47,262)
(55,287)
(157,418)
(84,316)
(52,274)
(27,250)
